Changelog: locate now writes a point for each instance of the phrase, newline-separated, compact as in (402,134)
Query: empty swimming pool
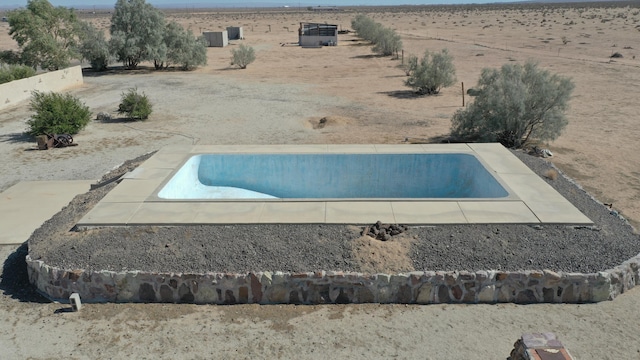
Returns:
(333,176)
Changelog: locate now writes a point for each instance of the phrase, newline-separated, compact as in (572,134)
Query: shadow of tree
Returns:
(121,70)
(403,94)
(117,70)
(117,120)
(369,56)
(14,279)
(15,138)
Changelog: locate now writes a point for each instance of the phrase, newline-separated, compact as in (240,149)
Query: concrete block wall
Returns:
(322,287)
(14,92)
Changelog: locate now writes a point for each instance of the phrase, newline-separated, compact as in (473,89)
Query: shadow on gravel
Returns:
(14,280)
(15,138)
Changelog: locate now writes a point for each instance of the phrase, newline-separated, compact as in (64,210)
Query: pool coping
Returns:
(532,201)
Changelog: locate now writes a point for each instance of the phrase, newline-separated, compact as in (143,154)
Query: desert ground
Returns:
(280,99)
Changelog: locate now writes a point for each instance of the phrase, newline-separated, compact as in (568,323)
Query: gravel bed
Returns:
(295,248)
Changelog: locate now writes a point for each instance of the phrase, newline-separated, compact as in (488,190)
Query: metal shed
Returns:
(216,38)
(235,33)
(312,34)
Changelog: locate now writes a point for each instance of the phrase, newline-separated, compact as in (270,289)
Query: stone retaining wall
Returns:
(335,287)
(19,90)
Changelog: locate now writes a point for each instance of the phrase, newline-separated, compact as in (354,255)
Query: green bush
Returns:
(410,65)
(243,56)
(10,57)
(57,114)
(433,72)
(15,72)
(134,105)
(514,106)
(385,40)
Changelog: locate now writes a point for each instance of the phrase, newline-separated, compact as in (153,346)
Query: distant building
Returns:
(216,38)
(324,8)
(312,35)
(235,33)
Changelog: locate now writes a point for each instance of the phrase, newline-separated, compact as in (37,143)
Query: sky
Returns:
(251,3)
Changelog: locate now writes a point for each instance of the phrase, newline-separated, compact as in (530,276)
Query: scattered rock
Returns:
(616,55)
(540,152)
(382,231)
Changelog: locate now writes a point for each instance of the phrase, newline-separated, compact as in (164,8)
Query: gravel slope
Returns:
(240,248)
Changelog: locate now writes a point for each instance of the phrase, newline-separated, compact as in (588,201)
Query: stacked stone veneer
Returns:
(335,287)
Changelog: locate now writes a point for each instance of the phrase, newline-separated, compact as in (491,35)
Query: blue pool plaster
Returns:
(333,176)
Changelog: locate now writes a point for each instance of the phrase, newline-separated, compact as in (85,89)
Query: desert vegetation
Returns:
(56,113)
(15,72)
(47,35)
(50,37)
(515,105)
(242,56)
(135,106)
(385,40)
(433,72)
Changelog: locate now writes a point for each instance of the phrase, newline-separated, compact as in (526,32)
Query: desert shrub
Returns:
(365,27)
(410,65)
(57,114)
(135,105)
(21,71)
(15,72)
(385,40)
(433,72)
(242,56)
(515,105)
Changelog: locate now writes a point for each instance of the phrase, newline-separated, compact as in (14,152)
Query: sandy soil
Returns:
(278,99)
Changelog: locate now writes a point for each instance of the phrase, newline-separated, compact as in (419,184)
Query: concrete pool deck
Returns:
(26,205)
(133,200)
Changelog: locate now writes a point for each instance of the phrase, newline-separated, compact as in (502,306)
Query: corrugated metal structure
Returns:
(216,38)
(235,33)
(312,35)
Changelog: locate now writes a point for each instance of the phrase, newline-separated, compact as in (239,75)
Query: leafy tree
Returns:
(93,46)
(514,105)
(46,35)
(432,73)
(57,114)
(243,56)
(182,48)
(9,57)
(134,105)
(137,30)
